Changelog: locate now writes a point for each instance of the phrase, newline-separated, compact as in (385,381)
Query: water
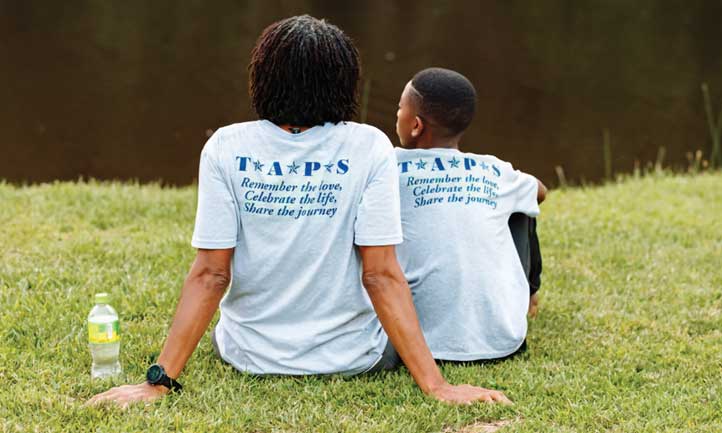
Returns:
(131,92)
(104,340)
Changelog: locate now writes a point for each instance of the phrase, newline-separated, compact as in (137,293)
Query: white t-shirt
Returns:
(466,278)
(293,206)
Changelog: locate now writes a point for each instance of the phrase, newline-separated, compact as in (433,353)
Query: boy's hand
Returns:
(128,394)
(467,394)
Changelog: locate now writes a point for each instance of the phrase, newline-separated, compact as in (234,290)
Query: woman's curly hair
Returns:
(304,72)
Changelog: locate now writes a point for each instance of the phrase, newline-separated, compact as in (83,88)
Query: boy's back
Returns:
(469,287)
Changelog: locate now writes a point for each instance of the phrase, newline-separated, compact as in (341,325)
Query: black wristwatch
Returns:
(156,376)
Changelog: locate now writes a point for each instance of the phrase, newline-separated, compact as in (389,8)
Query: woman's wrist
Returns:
(433,383)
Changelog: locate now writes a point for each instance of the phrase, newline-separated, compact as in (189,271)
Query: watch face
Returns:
(154,374)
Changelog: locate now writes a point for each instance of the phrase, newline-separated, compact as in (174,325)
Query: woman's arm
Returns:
(202,292)
(391,298)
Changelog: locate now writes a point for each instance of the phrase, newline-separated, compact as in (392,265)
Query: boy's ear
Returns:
(418,127)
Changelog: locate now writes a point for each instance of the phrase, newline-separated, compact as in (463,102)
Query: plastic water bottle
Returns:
(104,338)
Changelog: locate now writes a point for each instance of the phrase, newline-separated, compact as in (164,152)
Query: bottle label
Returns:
(99,333)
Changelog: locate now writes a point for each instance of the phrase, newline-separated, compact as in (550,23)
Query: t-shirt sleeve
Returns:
(526,188)
(216,224)
(378,220)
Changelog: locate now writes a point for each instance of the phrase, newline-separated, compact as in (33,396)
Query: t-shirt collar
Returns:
(281,133)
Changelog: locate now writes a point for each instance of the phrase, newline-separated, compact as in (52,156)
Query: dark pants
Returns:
(523,230)
(390,360)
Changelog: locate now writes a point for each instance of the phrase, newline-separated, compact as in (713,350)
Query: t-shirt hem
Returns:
(297,372)
(256,370)
(457,356)
(534,213)
(213,245)
(378,241)
(378,359)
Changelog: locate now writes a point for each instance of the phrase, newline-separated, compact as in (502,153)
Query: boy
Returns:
(470,287)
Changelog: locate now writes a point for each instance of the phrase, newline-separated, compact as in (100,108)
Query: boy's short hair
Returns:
(304,72)
(446,97)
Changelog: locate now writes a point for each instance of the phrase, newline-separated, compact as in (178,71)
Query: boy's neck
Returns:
(431,142)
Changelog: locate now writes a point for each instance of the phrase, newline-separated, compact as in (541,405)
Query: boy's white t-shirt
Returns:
(294,206)
(458,254)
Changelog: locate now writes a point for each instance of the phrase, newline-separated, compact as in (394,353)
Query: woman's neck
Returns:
(293,129)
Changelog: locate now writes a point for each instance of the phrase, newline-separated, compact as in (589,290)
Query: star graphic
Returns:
(454,162)
(257,165)
(421,165)
(329,166)
(293,168)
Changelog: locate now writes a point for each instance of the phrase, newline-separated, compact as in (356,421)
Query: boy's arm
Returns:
(390,295)
(541,192)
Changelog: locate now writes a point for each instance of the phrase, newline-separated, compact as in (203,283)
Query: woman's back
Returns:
(293,206)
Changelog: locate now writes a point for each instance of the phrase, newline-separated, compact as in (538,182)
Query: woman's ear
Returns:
(418,128)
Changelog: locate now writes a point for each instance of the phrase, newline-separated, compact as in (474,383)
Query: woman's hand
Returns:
(127,394)
(467,394)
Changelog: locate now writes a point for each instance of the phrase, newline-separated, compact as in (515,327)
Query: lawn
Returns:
(628,338)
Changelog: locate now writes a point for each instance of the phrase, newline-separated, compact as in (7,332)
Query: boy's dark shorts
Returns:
(523,231)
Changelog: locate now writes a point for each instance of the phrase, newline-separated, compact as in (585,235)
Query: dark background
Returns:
(131,89)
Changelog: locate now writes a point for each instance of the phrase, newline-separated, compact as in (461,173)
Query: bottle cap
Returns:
(101,298)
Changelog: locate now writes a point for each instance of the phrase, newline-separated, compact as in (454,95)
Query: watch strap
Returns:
(171,384)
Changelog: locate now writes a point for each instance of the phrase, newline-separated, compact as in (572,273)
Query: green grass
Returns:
(628,339)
